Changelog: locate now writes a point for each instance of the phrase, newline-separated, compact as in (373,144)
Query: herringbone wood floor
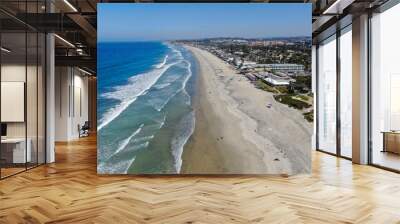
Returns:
(69,191)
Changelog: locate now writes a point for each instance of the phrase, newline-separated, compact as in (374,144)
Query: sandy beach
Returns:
(235,133)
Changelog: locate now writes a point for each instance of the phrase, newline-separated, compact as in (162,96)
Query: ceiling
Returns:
(75,22)
(328,13)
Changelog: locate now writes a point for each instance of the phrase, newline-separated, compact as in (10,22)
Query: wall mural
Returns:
(204,88)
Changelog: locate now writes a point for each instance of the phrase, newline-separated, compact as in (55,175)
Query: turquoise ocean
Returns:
(145,113)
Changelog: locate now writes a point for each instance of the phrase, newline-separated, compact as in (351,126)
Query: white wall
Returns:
(80,110)
(71,102)
(61,103)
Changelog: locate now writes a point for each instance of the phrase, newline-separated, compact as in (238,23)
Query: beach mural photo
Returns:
(204,88)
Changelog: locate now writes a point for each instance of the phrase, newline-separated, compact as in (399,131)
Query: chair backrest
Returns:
(86,124)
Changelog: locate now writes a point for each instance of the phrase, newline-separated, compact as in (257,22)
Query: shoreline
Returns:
(209,149)
(232,135)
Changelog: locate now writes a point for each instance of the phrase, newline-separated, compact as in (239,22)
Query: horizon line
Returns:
(205,38)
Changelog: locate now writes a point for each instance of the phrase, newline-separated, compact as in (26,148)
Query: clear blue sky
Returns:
(152,21)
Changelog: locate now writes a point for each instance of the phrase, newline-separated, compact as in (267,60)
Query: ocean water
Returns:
(145,114)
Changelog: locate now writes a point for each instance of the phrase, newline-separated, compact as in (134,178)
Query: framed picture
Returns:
(204,88)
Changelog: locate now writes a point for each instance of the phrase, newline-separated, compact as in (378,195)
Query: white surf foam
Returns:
(161,86)
(130,164)
(186,80)
(142,139)
(127,94)
(120,167)
(171,79)
(160,106)
(140,146)
(163,62)
(163,122)
(179,53)
(179,140)
(126,141)
(175,50)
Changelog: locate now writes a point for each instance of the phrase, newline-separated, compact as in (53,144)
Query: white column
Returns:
(50,98)
(360,90)
(314,90)
(50,91)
